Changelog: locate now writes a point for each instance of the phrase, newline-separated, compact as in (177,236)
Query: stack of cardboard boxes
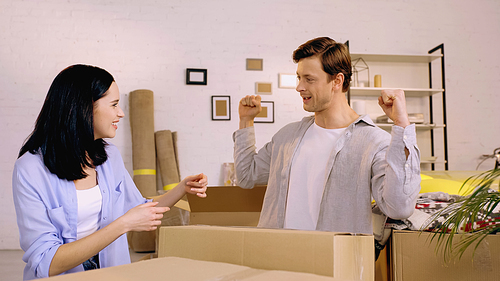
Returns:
(223,229)
(409,255)
(222,243)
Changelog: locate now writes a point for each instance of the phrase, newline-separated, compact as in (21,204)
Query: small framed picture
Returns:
(263,88)
(267,113)
(287,81)
(196,76)
(221,108)
(255,64)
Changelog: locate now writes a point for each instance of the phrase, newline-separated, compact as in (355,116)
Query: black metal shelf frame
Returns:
(443,98)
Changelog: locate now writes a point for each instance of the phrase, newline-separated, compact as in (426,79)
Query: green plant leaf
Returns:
(462,215)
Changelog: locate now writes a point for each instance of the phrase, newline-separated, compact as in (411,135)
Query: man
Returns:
(322,172)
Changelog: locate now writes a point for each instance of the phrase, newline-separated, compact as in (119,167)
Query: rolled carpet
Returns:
(143,159)
(165,151)
(143,141)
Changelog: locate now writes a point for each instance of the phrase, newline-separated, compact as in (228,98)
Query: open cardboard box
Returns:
(413,257)
(339,255)
(173,268)
(226,206)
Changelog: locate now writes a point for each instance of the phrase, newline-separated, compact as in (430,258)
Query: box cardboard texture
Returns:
(173,268)
(338,255)
(227,206)
(413,257)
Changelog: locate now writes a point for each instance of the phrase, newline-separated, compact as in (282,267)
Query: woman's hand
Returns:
(144,217)
(196,184)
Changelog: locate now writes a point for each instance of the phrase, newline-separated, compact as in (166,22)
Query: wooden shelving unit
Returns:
(430,92)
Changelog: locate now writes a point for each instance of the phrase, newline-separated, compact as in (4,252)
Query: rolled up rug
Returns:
(143,141)
(143,160)
(165,152)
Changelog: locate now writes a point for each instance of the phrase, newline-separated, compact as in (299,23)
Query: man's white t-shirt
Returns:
(308,177)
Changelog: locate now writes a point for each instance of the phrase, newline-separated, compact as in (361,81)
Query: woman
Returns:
(74,198)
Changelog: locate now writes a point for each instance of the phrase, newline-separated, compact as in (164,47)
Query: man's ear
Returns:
(338,81)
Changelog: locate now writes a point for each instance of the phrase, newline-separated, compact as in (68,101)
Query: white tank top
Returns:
(89,210)
(308,177)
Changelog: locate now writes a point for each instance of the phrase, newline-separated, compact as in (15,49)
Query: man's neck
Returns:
(338,115)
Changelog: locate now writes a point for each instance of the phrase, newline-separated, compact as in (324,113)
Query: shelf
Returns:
(409,92)
(417,126)
(412,68)
(428,160)
(396,58)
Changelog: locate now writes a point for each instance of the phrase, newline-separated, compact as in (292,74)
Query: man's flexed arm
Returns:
(248,108)
(393,103)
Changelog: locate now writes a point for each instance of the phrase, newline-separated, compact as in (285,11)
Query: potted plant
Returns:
(475,215)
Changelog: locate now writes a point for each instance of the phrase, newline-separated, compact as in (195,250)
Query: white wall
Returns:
(149,44)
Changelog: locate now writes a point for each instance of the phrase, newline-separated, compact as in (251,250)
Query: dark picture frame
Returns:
(196,76)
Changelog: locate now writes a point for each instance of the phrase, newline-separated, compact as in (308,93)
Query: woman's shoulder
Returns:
(31,166)
(29,161)
(112,150)
(114,155)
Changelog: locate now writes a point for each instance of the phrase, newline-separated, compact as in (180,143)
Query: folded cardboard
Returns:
(413,257)
(338,255)
(173,268)
(382,265)
(227,206)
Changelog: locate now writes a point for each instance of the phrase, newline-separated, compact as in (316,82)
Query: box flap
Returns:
(174,268)
(183,204)
(228,199)
(225,218)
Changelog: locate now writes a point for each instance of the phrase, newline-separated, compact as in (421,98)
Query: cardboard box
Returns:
(413,257)
(145,241)
(227,206)
(224,205)
(338,255)
(172,268)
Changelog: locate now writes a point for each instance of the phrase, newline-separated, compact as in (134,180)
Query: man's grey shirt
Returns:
(366,161)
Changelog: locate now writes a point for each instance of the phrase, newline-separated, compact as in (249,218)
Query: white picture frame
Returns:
(267,113)
(221,108)
(287,80)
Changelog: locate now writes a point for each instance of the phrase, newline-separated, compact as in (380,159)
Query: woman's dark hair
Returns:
(64,129)
(334,57)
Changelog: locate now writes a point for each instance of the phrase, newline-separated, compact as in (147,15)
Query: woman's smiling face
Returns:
(107,113)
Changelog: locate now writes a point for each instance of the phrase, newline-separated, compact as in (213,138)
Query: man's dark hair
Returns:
(64,129)
(334,57)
